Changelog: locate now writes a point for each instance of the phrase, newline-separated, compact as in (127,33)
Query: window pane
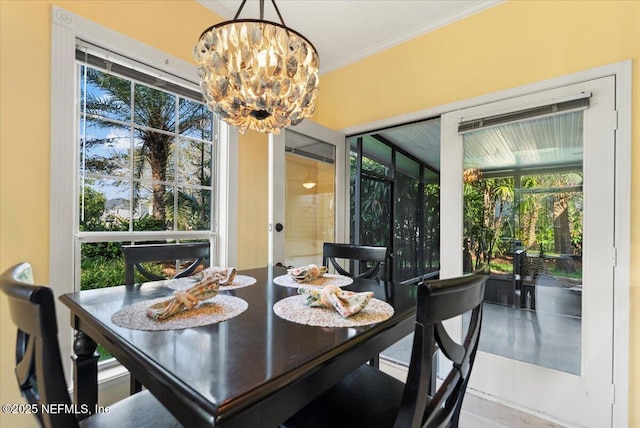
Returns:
(154,108)
(194,162)
(195,120)
(104,205)
(154,156)
(523,216)
(106,96)
(431,230)
(407,166)
(106,148)
(377,156)
(310,147)
(102,264)
(155,205)
(375,218)
(431,177)
(370,165)
(194,209)
(309,201)
(488,223)
(407,255)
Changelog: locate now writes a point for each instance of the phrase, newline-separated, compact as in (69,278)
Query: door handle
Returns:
(279,227)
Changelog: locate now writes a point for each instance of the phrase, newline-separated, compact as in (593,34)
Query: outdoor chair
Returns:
(39,365)
(370,398)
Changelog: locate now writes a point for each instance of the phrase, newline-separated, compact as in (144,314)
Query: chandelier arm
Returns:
(275,6)
(240,9)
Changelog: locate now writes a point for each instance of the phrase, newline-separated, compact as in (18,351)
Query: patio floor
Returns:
(546,339)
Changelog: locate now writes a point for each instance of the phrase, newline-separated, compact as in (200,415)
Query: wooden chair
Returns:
(371,398)
(39,366)
(134,255)
(379,256)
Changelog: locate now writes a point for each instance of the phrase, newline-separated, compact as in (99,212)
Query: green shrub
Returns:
(100,272)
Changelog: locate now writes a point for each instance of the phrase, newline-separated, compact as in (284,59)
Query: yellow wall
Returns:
(25,106)
(512,44)
(253,199)
(509,45)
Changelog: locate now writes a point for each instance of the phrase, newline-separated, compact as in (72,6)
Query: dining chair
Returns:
(378,256)
(134,255)
(39,365)
(368,397)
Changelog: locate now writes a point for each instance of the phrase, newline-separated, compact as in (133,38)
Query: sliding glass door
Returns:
(530,192)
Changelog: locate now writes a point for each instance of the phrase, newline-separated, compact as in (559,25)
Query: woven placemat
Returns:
(214,310)
(327,278)
(239,281)
(295,309)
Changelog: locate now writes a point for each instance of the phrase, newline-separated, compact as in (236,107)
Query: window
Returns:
(199,169)
(146,157)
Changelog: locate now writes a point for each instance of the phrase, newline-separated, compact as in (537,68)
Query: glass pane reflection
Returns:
(523,216)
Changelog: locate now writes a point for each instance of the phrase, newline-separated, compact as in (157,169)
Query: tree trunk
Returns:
(530,222)
(158,145)
(562,232)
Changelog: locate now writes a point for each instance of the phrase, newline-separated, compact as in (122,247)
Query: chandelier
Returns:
(470,175)
(257,74)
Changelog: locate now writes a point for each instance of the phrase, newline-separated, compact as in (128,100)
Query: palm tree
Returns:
(156,116)
(485,217)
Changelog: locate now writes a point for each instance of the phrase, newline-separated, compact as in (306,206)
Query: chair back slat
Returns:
(441,408)
(378,256)
(38,363)
(449,347)
(439,300)
(134,255)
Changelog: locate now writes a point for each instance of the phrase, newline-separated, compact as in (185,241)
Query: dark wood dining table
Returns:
(254,370)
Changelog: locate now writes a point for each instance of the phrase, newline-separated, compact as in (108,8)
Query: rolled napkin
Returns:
(307,273)
(347,303)
(185,300)
(225,276)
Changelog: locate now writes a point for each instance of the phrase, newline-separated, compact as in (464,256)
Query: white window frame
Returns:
(67,29)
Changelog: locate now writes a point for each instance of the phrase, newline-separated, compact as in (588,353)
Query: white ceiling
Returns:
(346,31)
(349,30)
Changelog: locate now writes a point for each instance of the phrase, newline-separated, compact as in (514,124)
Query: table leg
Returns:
(85,373)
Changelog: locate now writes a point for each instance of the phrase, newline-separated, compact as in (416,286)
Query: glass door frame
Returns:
(622,272)
(277,180)
(582,400)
